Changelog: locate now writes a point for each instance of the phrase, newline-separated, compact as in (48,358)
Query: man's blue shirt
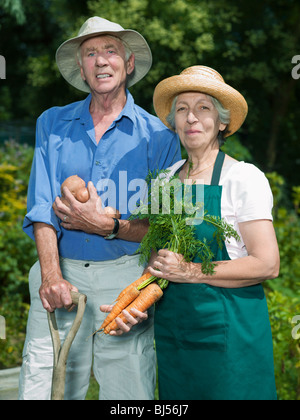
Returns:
(136,143)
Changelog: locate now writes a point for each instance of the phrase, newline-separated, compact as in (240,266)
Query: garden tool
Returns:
(61,351)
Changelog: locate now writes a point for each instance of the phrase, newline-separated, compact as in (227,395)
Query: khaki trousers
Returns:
(124,366)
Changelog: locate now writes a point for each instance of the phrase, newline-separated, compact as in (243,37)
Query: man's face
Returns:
(103,64)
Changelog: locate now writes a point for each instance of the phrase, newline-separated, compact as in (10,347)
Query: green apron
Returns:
(214,343)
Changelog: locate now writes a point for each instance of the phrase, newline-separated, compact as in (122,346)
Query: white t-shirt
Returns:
(246,196)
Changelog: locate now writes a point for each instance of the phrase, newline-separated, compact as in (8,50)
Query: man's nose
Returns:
(101,60)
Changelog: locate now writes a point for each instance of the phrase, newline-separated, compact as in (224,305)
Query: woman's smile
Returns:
(193,132)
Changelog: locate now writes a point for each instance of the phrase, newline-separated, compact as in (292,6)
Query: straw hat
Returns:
(205,80)
(66,54)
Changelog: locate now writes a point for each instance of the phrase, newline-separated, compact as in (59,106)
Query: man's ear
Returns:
(82,73)
(130,64)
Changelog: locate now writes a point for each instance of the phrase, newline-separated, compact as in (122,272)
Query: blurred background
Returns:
(252,44)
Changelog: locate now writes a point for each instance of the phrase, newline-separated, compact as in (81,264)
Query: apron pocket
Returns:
(201,319)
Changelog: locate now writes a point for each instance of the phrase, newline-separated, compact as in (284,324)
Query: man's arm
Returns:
(54,290)
(89,217)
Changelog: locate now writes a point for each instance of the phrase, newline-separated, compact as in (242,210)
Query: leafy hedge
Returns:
(284,293)
(17,251)
(17,254)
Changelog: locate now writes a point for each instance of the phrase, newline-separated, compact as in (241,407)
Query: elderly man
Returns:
(111,143)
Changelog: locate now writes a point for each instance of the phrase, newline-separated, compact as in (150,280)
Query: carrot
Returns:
(136,283)
(147,297)
(131,294)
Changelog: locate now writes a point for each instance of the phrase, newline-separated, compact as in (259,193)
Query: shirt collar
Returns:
(80,110)
(128,110)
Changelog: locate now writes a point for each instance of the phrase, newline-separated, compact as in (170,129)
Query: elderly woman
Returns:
(213,335)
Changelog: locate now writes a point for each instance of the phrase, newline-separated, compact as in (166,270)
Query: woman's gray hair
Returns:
(224,116)
(128,51)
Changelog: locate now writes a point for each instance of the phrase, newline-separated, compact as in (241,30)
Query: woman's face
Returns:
(197,120)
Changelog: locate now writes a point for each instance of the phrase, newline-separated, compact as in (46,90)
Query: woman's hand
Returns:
(132,320)
(170,266)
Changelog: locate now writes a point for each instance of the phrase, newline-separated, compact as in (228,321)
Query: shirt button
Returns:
(97,163)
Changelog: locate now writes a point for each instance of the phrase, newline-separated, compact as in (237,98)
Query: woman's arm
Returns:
(262,262)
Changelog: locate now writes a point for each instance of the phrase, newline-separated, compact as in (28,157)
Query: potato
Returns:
(82,195)
(77,187)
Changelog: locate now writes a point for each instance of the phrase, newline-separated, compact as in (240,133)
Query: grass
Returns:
(93,391)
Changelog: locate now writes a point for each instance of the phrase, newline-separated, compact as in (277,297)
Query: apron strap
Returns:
(215,179)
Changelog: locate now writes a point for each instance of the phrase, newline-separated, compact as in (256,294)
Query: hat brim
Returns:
(166,91)
(67,62)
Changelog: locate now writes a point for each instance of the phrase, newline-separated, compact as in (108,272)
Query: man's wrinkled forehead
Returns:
(102,41)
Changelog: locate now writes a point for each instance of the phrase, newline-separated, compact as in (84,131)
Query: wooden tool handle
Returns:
(60,353)
(76,297)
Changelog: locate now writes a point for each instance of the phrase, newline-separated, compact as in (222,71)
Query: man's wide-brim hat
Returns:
(67,59)
(205,80)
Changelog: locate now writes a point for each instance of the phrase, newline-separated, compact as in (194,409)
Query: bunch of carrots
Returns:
(140,295)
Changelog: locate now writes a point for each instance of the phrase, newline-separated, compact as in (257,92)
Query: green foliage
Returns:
(42,71)
(15,9)
(14,173)
(283,294)
(282,309)
(17,251)
(234,148)
(5,105)
(287,226)
(296,198)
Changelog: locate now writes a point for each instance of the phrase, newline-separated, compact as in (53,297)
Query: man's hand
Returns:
(55,293)
(88,217)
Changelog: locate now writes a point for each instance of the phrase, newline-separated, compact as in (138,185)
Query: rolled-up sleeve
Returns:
(41,191)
